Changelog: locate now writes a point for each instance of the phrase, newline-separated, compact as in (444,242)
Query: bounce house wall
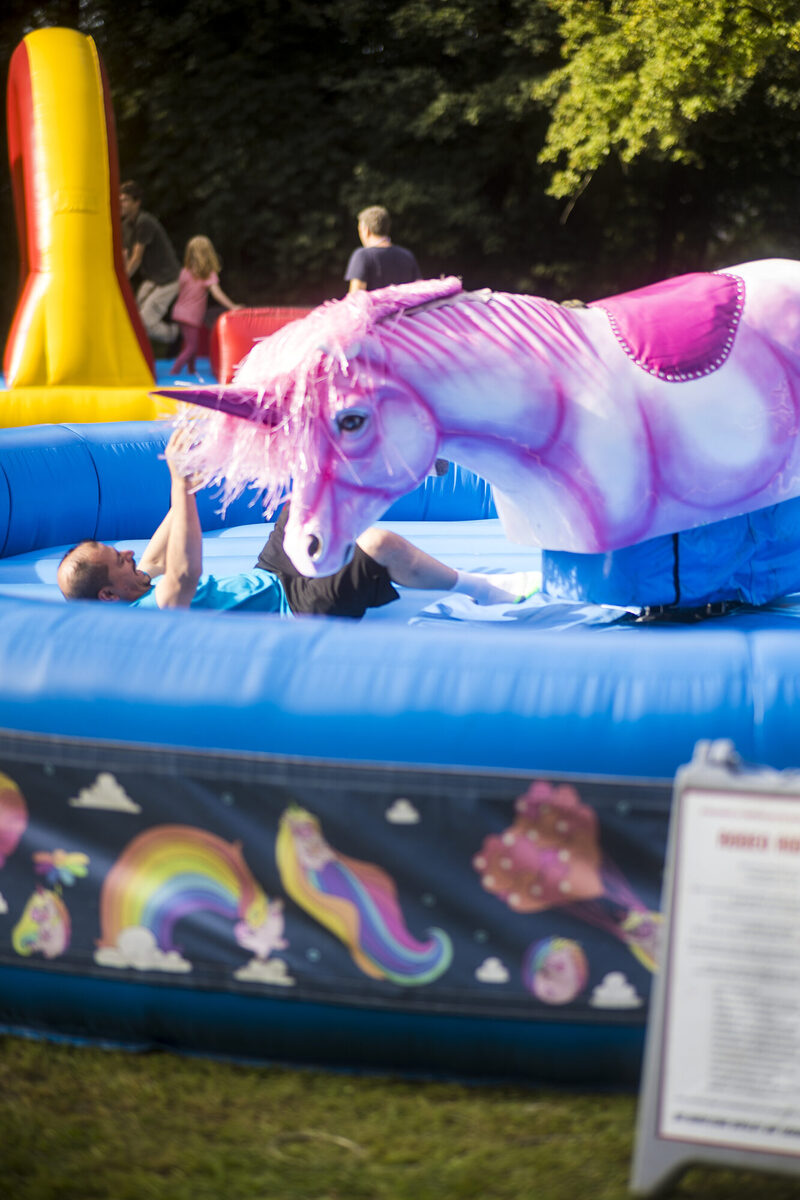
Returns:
(76,322)
(76,349)
(751,558)
(366,845)
(62,483)
(325,914)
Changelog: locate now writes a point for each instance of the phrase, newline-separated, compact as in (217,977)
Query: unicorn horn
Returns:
(244,402)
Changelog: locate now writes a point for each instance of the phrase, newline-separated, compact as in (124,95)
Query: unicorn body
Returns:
(598,427)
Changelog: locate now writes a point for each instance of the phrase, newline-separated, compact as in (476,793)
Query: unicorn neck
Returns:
(496,460)
(502,389)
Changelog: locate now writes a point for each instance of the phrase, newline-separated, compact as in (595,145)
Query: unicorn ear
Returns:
(384,302)
(251,404)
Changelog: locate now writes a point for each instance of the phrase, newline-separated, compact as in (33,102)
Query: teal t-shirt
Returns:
(252,591)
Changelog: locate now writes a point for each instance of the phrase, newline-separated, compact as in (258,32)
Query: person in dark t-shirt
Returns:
(378,262)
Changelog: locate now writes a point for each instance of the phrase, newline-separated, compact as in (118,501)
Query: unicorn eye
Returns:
(350,422)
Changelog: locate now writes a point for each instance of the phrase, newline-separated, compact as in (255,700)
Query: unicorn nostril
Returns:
(314,547)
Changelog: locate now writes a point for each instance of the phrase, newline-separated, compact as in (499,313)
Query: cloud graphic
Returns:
(615,992)
(492,970)
(107,794)
(3,904)
(402,812)
(257,971)
(136,947)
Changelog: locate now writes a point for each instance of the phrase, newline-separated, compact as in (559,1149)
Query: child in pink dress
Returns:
(198,277)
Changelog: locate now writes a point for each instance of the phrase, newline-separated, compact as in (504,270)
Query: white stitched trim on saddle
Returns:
(675,374)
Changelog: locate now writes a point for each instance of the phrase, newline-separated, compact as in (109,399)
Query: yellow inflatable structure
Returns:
(77,350)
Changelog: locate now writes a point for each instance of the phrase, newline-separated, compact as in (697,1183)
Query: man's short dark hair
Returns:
(86,578)
(131,188)
(377,220)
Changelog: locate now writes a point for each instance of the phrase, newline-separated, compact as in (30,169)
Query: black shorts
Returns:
(361,584)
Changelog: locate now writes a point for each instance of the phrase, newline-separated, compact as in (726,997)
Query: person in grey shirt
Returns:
(148,250)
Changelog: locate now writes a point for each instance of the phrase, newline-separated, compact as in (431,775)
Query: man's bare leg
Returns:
(413,568)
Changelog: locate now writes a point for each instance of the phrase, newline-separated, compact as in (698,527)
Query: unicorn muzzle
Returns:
(325,559)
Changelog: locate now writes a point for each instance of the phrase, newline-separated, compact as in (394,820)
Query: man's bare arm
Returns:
(183,554)
(154,556)
(133,258)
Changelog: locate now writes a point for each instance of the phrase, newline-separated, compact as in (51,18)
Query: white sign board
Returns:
(722,1066)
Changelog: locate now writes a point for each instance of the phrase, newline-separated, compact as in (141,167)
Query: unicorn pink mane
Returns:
(289,383)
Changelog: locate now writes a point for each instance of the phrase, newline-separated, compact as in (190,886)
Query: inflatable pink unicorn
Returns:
(599,427)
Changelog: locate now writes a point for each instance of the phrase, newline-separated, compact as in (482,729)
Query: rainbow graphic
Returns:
(357,902)
(171,871)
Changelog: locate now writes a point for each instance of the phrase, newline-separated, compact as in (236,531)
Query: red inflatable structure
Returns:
(235,332)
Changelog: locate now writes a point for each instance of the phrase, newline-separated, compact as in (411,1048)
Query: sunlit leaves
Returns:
(639,75)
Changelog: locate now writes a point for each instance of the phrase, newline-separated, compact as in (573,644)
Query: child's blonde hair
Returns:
(201,257)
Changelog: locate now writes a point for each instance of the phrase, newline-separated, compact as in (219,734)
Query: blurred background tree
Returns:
(694,106)
(562,147)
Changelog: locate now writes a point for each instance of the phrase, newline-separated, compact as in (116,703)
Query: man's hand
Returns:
(179,444)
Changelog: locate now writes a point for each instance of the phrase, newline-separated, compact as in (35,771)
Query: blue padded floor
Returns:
(468,545)
(478,546)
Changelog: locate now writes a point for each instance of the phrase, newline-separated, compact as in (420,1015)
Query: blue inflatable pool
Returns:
(430,841)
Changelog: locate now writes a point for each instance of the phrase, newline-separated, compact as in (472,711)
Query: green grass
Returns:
(85,1124)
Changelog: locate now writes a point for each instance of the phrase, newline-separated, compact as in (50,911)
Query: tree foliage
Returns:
(641,76)
(566,147)
(267,124)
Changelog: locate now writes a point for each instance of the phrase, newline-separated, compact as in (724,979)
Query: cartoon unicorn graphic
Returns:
(45,926)
(357,902)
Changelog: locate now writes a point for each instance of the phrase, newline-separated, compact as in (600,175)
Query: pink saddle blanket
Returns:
(679,329)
